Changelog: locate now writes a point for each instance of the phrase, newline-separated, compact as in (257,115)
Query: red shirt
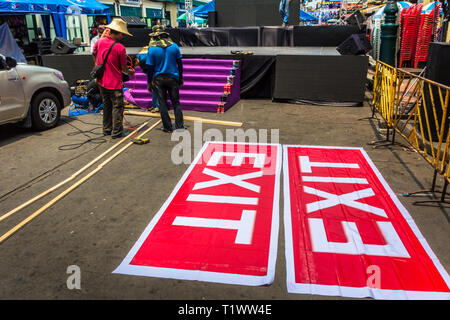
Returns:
(112,78)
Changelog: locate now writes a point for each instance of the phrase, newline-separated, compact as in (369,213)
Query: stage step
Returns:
(184,93)
(208,62)
(187,78)
(205,82)
(147,102)
(141,78)
(201,87)
(205,77)
(210,70)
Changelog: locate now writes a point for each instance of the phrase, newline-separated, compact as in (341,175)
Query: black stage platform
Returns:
(298,73)
(267,36)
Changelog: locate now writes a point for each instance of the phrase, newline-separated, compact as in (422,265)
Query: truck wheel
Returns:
(45,111)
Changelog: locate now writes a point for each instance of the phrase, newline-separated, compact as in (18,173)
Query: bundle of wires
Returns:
(88,133)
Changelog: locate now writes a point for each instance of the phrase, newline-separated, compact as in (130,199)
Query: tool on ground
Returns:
(141,141)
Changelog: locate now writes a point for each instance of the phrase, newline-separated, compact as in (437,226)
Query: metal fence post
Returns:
(389,34)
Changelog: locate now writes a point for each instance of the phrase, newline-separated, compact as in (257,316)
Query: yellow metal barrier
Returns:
(417,109)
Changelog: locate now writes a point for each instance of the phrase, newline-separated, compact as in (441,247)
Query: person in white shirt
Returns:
(100,30)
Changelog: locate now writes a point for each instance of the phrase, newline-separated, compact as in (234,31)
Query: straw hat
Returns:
(119,25)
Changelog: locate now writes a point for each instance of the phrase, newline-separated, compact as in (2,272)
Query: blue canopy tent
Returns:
(56,8)
(196,19)
(43,7)
(305,16)
(202,11)
(13,7)
(91,7)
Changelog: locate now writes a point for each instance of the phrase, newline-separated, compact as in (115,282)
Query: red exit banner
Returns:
(347,234)
(220,224)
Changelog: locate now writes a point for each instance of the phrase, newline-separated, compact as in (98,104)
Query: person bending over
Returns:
(142,58)
(93,95)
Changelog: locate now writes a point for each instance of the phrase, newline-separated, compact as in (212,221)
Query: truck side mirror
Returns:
(11,62)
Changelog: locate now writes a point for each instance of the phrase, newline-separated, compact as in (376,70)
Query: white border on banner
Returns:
(218,277)
(353,292)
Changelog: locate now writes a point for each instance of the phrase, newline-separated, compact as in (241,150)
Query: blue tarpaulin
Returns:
(305,16)
(46,24)
(8,46)
(59,22)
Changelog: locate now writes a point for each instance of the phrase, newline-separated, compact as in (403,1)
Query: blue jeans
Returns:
(164,85)
(155,103)
(284,11)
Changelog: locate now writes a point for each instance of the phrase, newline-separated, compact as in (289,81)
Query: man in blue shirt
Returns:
(165,75)
(284,11)
(142,62)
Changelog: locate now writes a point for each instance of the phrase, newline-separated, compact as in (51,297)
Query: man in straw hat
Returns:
(111,83)
(165,75)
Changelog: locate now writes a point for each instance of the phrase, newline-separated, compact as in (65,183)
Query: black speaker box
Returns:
(212,19)
(62,46)
(323,36)
(44,45)
(438,70)
(140,37)
(356,19)
(355,45)
(304,77)
(277,36)
(438,63)
(134,22)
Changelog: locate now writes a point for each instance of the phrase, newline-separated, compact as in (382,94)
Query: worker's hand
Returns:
(131,71)
(180,82)
(150,86)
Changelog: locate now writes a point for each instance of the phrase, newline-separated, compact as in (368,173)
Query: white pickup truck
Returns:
(31,94)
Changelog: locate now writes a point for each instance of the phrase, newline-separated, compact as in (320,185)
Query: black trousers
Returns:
(164,85)
(113,105)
